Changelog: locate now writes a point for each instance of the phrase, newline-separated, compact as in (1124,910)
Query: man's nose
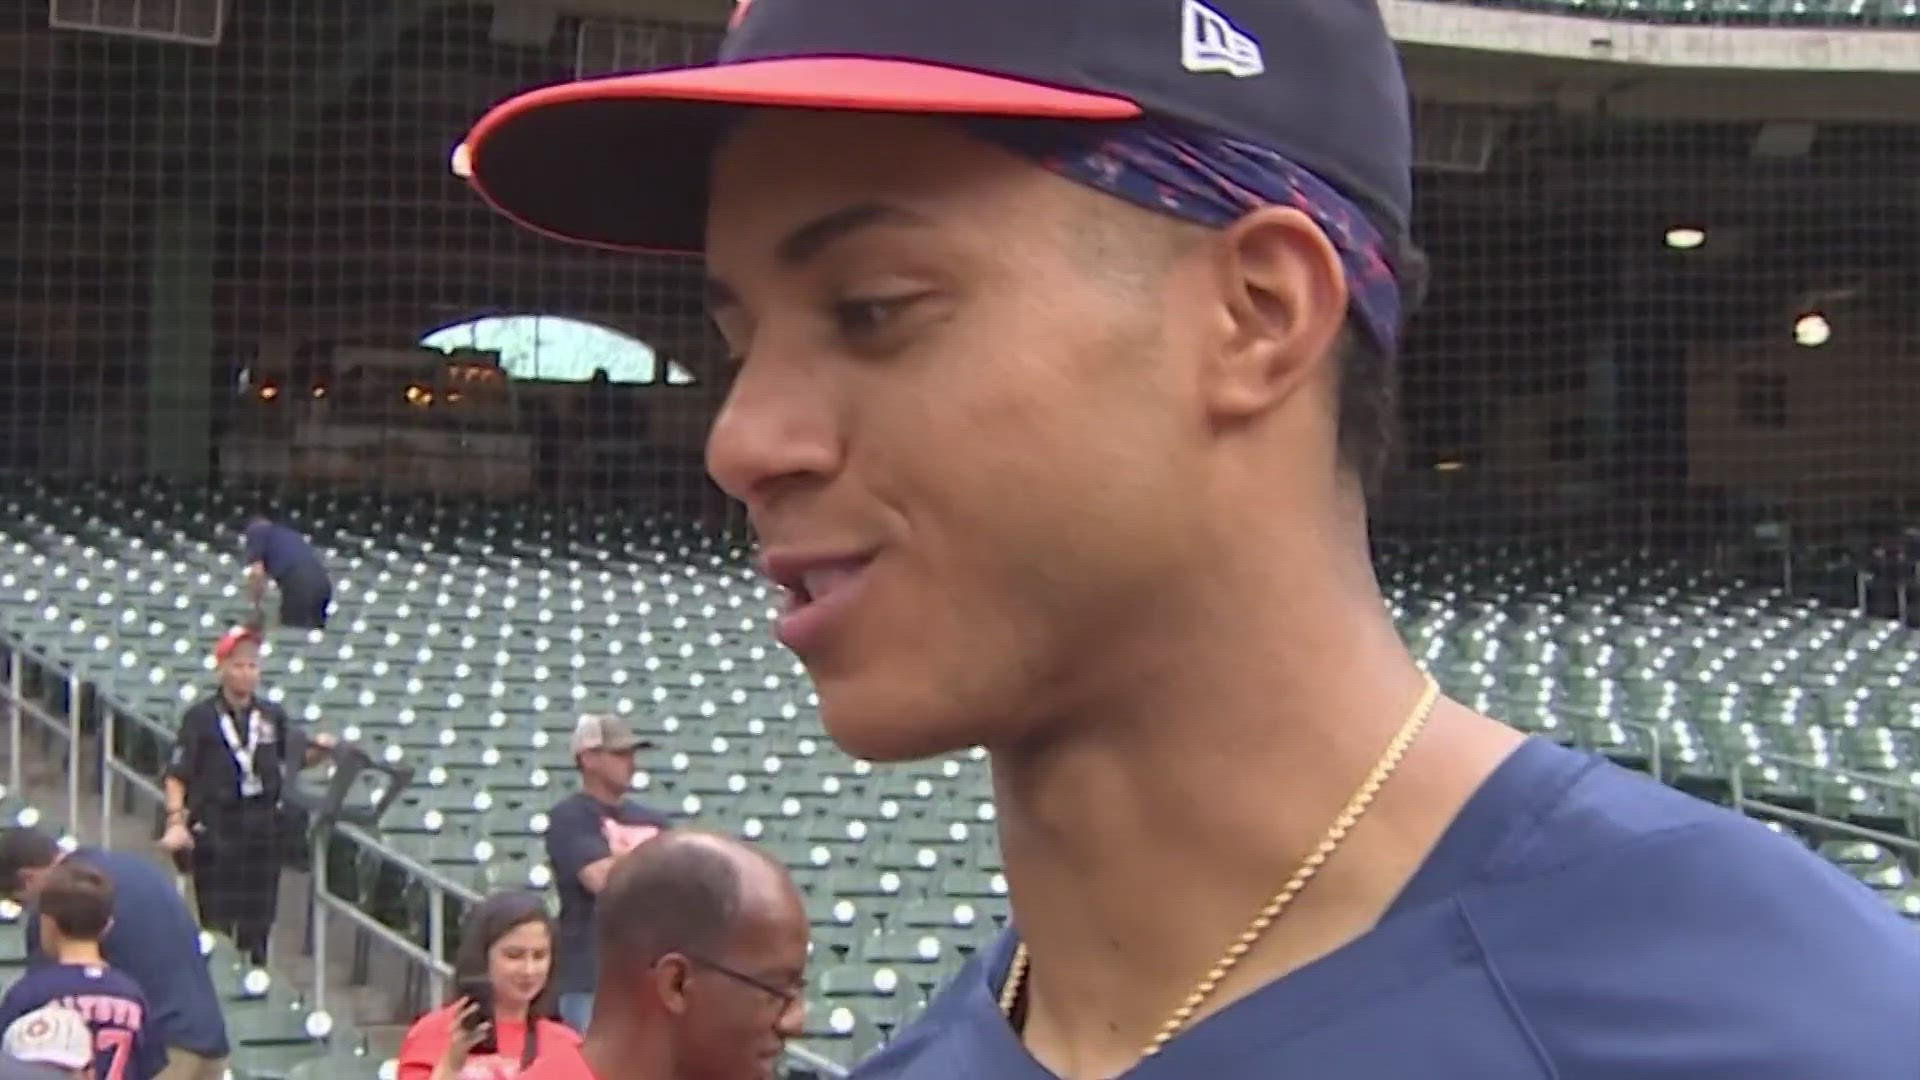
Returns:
(793,1019)
(777,424)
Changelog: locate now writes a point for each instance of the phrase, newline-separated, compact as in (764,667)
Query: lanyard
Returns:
(250,785)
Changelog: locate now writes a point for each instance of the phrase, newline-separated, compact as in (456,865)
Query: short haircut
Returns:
(677,893)
(1369,407)
(78,898)
(24,848)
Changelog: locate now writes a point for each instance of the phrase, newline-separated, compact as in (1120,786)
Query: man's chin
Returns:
(873,731)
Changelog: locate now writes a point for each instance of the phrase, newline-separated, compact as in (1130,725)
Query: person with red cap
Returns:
(222,784)
(1062,340)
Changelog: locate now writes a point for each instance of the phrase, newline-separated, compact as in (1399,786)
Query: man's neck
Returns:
(625,1053)
(604,794)
(235,701)
(79,953)
(1138,848)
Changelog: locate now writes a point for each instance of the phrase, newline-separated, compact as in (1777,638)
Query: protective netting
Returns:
(249,261)
(1668,367)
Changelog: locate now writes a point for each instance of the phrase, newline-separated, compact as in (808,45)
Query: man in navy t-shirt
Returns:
(75,911)
(153,939)
(279,553)
(1063,341)
(586,832)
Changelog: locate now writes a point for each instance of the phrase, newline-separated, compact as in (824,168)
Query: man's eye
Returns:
(865,316)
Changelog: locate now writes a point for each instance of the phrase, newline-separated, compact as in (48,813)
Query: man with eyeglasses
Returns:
(702,948)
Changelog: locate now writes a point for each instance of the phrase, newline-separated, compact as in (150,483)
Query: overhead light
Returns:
(1812,330)
(1685,237)
(462,163)
(1449,465)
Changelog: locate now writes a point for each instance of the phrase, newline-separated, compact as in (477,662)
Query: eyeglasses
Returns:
(787,996)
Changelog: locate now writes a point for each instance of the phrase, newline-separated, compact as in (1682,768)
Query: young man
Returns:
(152,938)
(279,553)
(703,943)
(76,910)
(1062,334)
(586,832)
(51,1044)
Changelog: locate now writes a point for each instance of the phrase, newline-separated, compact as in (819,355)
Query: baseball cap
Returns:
(622,161)
(54,1035)
(602,731)
(232,640)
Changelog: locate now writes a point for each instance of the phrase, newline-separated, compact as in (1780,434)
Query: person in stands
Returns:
(52,1043)
(152,937)
(506,941)
(703,947)
(222,786)
(76,909)
(586,831)
(278,553)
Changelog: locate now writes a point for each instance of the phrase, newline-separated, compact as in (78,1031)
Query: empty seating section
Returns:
(467,639)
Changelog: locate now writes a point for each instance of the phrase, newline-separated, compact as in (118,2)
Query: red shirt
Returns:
(427,1039)
(561,1061)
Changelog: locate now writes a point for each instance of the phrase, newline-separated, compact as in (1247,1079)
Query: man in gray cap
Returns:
(586,831)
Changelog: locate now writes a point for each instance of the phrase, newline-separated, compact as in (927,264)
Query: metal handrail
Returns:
(1866,779)
(326,902)
(1801,817)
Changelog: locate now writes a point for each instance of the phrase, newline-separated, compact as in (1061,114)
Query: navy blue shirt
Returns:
(284,553)
(155,940)
(1576,922)
(126,1044)
(582,830)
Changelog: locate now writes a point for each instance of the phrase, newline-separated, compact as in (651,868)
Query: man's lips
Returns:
(813,576)
(821,587)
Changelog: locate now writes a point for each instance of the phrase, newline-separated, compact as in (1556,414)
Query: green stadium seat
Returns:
(468,638)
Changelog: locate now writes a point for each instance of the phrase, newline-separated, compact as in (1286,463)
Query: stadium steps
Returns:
(366,1012)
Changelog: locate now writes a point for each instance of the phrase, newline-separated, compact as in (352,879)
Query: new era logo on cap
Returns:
(1210,42)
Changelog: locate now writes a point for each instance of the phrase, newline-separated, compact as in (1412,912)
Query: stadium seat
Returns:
(467,639)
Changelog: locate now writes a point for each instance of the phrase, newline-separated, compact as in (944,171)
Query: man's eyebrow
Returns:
(808,240)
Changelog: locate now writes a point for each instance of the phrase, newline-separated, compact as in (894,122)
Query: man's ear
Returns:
(671,974)
(1285,293)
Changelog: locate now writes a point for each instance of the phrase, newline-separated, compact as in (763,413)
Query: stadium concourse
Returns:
(468,639)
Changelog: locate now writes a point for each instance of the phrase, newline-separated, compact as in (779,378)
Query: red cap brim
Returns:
(621,162)
(232,640)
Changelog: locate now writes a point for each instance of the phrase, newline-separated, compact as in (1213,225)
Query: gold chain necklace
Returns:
(1330,843)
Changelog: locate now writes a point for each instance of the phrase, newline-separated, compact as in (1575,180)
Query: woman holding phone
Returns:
(499,1018)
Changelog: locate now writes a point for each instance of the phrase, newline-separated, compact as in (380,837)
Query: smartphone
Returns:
(480,992)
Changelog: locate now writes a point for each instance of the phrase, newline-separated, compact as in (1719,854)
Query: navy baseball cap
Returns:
(622,161)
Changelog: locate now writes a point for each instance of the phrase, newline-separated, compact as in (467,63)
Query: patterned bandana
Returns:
(1212,180)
